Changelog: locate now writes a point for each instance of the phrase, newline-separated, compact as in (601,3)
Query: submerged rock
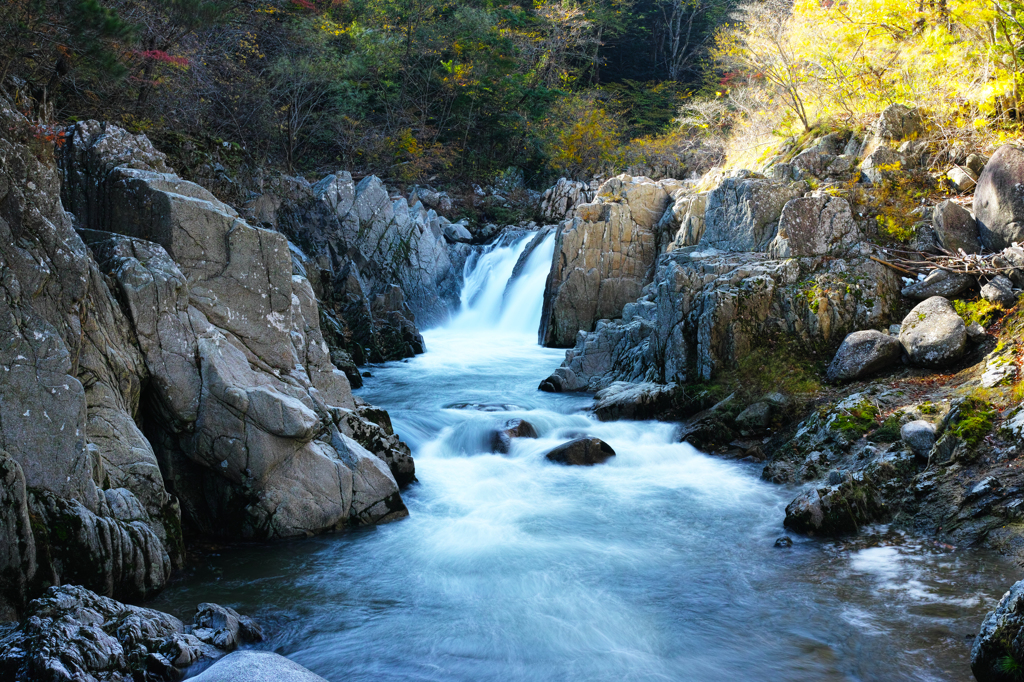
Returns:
(582,451)
(513,428)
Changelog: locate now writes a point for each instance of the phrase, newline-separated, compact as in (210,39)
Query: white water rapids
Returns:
(658,565)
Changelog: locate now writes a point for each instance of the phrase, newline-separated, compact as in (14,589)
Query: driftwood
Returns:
(919,263)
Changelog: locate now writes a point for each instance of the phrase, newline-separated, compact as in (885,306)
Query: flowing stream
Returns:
(658,565)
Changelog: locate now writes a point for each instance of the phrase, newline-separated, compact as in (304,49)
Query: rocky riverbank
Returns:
(177,368)
(777,324)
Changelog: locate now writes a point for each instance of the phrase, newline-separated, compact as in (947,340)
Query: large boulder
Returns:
(999,199)
(999,646)
(898,122)
(882,163)
(932,334)
(955,227)
(581,452)
(603,257)
(743,212)
(816,225)
(623,400)
(862,354)
(939,282)
(256,666)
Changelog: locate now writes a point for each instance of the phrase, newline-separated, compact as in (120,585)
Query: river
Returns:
(658,565)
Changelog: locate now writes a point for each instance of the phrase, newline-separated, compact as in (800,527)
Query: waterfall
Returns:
(492,300)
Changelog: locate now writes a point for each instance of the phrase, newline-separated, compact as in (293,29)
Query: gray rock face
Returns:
(581,452)
(817,225)
(706,310)
(743,212)
(883,163)
(939,282)
(862,354)
(999,199)
(683,221)
(932,334)
(623,400)
(999,291)
(559,202)
(73,634)
(256,666)
(898,122)
(250,403)
(603,257)
(1000,639)
(920,436)
(69,399)
(956,228)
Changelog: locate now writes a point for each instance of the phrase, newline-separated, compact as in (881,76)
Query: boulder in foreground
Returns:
(933,334)
(582,452)
(256,666)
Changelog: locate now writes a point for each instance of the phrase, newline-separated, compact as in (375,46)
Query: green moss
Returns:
(972,421)
(888,432)
(928,407)
(980,311)
(855,421)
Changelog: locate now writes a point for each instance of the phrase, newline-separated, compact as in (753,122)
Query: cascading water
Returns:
(658,565)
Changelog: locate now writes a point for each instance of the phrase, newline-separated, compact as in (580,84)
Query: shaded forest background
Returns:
(408,89)
(480,91)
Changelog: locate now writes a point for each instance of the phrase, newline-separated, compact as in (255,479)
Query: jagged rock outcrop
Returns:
(559,201)
(683,222)
(816,225)
(73,634)
(706,310)
(70,394)
(249,401)
(743,212)
(164,311)
(380,264)
(603,256)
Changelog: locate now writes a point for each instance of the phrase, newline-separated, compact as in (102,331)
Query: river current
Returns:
(658,565)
